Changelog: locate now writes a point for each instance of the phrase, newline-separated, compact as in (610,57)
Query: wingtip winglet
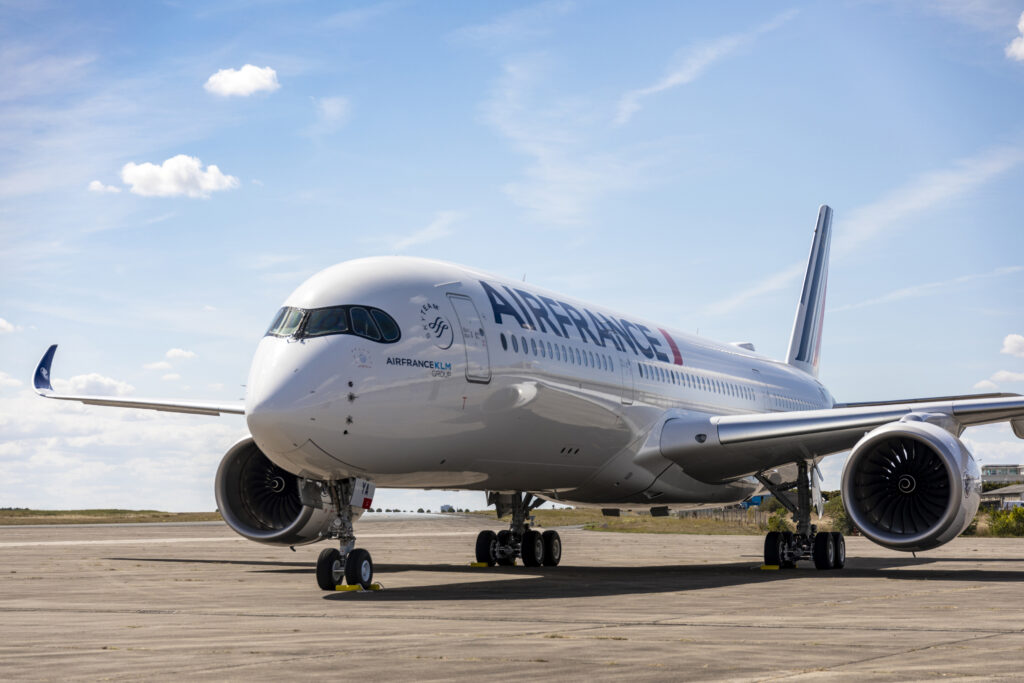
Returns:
(42,376)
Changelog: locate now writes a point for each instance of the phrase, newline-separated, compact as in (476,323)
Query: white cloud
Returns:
(242,82)
(6,327)
(439,228)
(179,175)
(159,365)
(331,114)
(520,24)
(986,385)
(1007,376)
(1015,50)
(565,176)
(88,456)
(1012,345)
(93,384)
(927,191)
(171,376)
(929,288)
(8,381)
(357,17)
(97,186)
(895,209)
(267,260)
(772,283)
(694,64)
(180,353)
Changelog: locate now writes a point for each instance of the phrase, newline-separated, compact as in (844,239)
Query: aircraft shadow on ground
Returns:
(525,583)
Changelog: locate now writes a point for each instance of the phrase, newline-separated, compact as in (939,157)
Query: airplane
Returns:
(413,373)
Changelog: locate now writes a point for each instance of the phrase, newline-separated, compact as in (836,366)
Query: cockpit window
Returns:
(364,321)
(277,321)
(291,322)
(388,326)
(322,321)
(363,325)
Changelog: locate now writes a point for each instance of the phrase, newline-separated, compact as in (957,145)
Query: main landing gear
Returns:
(535,548)
(347,563)
(784,548)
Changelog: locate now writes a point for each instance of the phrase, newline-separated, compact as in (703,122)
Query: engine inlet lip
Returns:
(928,435)
(240,523)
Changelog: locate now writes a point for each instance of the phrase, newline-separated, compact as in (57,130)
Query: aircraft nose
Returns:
(275,408)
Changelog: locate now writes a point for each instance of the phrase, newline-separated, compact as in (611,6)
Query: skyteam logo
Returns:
(436,326)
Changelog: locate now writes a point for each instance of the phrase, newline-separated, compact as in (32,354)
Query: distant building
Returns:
(1004,497)
(1002,474)
(447,508)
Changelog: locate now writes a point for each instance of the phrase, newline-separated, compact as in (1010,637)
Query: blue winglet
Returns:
(42,377)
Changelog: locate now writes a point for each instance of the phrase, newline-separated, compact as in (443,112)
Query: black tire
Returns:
(329,569)
(839,558)
(359,568)
(552,548)
(787,542)
(533,549)
(773,549)
(824,551)
(505,540)
(486,541)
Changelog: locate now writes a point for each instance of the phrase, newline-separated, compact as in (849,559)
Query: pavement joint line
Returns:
(584,624)
(901,653)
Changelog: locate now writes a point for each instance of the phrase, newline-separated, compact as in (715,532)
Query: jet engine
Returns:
(265,503)
(911,485)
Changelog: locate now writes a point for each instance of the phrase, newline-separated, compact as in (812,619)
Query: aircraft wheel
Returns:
(329,569)
(773,548)
(504,541)
(486,542)
(533,549)
(359,568)
(787,542)
(552,548)
(824,552)
(839,558)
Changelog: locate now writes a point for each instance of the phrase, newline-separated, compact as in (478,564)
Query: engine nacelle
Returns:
(264,503)
(911,485)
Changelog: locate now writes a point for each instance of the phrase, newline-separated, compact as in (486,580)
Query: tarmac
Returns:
(198,602)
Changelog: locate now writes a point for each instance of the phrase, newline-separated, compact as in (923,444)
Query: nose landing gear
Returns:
(783,549)
(533,547)
(348,563)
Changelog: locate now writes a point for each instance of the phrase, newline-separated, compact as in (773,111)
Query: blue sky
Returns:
(170,172)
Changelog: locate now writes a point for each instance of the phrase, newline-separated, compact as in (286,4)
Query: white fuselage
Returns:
(498,385)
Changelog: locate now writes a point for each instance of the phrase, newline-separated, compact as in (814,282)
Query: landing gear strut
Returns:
(784,548)
(348,563)
(519,540)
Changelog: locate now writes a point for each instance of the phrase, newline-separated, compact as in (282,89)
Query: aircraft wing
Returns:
(726,447)
(44,388)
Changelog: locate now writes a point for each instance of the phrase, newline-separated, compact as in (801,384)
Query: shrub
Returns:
(1008,522)
(840,520)
(778,523)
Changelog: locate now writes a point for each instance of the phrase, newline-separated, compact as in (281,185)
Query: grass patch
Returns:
(591,519)
(25,516)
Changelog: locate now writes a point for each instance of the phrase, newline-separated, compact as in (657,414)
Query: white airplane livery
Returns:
(411,373)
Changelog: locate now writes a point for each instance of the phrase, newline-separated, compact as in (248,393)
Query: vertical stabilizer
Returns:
(805,344)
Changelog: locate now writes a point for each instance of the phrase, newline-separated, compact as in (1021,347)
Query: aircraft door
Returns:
(478,361)
(628,388)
